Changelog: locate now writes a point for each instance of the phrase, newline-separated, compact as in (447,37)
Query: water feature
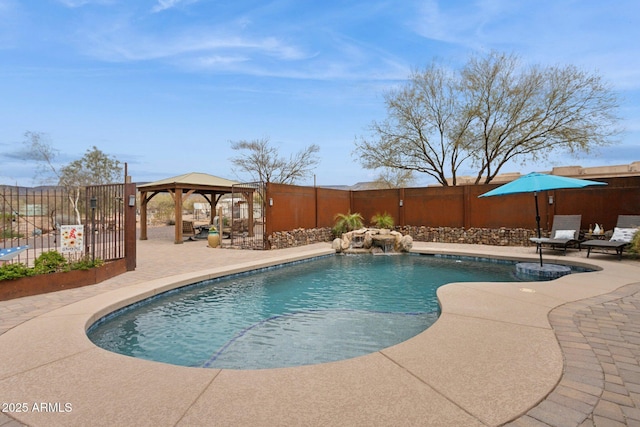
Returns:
(373,240)
(386,242)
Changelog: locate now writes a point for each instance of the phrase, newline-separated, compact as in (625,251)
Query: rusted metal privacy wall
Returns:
(308,207)
(289,207)
(40,217)
(245,217)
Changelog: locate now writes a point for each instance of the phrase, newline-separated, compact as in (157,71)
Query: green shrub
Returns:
(47,262)
(86,263)
(14,271)
(8,233)
(51,262)
(347,222)
(384,220)
(635,243)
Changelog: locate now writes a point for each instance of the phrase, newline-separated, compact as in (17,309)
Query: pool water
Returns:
(328,309)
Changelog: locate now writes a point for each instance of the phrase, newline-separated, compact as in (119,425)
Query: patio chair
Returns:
(194,232)
(565,232)
(624,231)
(188,229)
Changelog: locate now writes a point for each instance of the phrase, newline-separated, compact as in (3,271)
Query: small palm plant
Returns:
(384,220)
(347,222)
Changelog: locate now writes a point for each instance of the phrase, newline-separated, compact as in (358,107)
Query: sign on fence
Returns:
(72,239)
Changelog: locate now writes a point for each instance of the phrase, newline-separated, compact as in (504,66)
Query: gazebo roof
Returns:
(193,180)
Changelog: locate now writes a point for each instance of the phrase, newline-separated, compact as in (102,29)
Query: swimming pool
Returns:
(328,309)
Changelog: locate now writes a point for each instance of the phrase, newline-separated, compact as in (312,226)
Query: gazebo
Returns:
(211,187)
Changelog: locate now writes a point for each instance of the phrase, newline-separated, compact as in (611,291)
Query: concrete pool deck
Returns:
(544,353)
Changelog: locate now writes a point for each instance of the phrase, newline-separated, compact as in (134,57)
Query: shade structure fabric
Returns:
(536,182)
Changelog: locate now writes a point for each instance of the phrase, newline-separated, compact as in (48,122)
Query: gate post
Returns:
(130,225)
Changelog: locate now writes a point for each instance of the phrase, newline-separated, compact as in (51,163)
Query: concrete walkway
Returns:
(551,353)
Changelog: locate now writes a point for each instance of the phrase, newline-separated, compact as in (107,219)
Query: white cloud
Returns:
(169,4)
(217,61)
(601,37)
(232,50)
(129,46)
(452,22)
(79,3)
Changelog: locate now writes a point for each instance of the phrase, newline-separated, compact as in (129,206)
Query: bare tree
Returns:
(394,178)
(262,162)
(39,149)
(424,129)
(493,111)
(528,114)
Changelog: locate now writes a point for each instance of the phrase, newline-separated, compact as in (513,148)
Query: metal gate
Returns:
(243,217)
(104,213)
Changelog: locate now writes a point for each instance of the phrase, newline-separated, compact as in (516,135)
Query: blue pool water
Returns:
(328,309)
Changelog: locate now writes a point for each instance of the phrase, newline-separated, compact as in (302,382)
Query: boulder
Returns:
(345,243)
(368,240)
(405,244)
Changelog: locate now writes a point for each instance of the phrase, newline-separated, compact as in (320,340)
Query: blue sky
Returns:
(165,85)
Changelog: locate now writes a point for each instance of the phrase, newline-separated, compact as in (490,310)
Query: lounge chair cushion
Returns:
(564,234)
(623,234)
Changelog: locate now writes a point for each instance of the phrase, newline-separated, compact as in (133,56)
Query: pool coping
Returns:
(490,357)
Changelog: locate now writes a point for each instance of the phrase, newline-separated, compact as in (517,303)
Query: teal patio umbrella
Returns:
(536,182)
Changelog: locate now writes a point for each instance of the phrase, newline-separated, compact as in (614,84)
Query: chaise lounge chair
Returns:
(565,232)
(626,227)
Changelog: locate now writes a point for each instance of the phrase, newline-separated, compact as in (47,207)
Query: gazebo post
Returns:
(177,201)
(212,208)
(143,215)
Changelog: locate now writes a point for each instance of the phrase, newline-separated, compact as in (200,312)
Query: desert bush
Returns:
(384,220)
(347,222)
(635,243)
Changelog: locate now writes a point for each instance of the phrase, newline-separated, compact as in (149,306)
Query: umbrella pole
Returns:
(535,196)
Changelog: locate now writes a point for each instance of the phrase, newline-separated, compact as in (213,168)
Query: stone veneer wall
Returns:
(477,236)
(299,237)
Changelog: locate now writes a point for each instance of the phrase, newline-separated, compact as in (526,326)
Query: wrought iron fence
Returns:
(84,222)
(243,217)
(105,215)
